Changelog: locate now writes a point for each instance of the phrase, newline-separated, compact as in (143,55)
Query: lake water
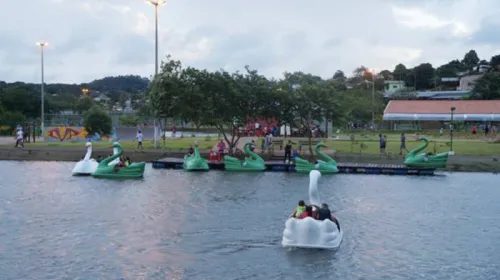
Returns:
(215,225)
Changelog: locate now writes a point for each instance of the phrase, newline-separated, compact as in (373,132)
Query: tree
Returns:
(165,97)
(495,62)
(487,87)
(83,103)
(470,60)
(385,75)
(339,75)
(313,101)
(400,72)
(192,102)
(423,77)
(450,69)
(11,119)
(124,97)
(96,120)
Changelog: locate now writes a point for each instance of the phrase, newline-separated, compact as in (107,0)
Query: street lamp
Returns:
(156,4)
(42,45)
(452,109)
(372,71)
(85,91)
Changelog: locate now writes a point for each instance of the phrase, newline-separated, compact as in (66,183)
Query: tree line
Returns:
(227,100)
(21,101)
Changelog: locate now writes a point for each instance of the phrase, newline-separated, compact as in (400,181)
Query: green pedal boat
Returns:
(326,165)
(426,160)
(133,171)
(195,162)
(249,164)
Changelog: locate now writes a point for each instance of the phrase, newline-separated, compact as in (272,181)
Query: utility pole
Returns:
(42,45)
(156,4)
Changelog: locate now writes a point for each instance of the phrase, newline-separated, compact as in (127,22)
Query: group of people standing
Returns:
(383,144)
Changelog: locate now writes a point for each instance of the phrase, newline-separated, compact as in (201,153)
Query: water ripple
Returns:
(215,225)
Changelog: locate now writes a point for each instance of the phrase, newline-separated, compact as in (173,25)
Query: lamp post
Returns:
(156,4)
(85,91)
(372,71)
(452,109)
(42,45)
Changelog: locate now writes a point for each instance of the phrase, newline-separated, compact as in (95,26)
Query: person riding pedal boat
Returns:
(325,213)
(307,213)
(300,209)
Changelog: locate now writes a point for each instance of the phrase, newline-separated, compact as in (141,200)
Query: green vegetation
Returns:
(364,145)
(227,101)
(232,100)
(170,144)
(96,120)
(460,146)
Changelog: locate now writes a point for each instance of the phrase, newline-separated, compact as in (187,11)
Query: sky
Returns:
(91,39)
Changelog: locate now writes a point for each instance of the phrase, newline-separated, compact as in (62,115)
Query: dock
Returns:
(279,166)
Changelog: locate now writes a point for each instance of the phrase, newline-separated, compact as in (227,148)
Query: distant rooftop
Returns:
(440,110)
(450,94)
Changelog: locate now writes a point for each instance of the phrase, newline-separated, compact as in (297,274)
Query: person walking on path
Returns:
(403,144)
(139,138)
(19,137)
(383,142)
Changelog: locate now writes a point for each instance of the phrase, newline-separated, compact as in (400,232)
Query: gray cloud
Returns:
(93,38)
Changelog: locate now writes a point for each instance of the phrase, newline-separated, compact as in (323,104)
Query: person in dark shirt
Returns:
(383,141)
(403,144)
(325,213)
(288,151)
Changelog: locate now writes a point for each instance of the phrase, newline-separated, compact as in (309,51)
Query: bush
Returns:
(96,120)
(9,120)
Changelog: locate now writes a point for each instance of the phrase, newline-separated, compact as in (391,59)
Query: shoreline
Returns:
(455,163)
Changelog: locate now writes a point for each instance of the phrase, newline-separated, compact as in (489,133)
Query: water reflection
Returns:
(215,225)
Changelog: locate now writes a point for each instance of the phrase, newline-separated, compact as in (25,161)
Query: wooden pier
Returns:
(279,166)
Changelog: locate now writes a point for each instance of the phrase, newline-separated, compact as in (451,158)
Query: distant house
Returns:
(394,86)
(468,82)
(102,98)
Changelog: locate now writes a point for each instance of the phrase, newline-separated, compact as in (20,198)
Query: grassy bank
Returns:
(461,147)
(366,144)
(170,144)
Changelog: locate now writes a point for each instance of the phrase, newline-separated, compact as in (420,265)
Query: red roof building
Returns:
(440,110)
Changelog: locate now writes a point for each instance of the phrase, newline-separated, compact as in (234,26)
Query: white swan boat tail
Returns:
(87,165)
(309,232)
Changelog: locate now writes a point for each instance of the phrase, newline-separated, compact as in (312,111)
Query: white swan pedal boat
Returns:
(309,232)
(87,165)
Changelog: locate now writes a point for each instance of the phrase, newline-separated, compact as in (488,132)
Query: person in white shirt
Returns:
(139,138)
(19,138)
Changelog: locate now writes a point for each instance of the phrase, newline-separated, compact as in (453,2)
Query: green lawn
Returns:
(461,147)
(170,144)
(466,147)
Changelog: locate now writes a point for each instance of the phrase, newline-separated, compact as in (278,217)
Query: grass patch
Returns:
(170,144)
(461,147)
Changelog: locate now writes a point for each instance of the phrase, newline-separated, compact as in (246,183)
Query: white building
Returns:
(394,86)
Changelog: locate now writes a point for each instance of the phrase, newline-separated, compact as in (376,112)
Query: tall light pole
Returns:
(156,4)
(452,128)
(372,71)
(42,45)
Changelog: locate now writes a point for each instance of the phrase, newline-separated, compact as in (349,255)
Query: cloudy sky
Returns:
(90,39)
